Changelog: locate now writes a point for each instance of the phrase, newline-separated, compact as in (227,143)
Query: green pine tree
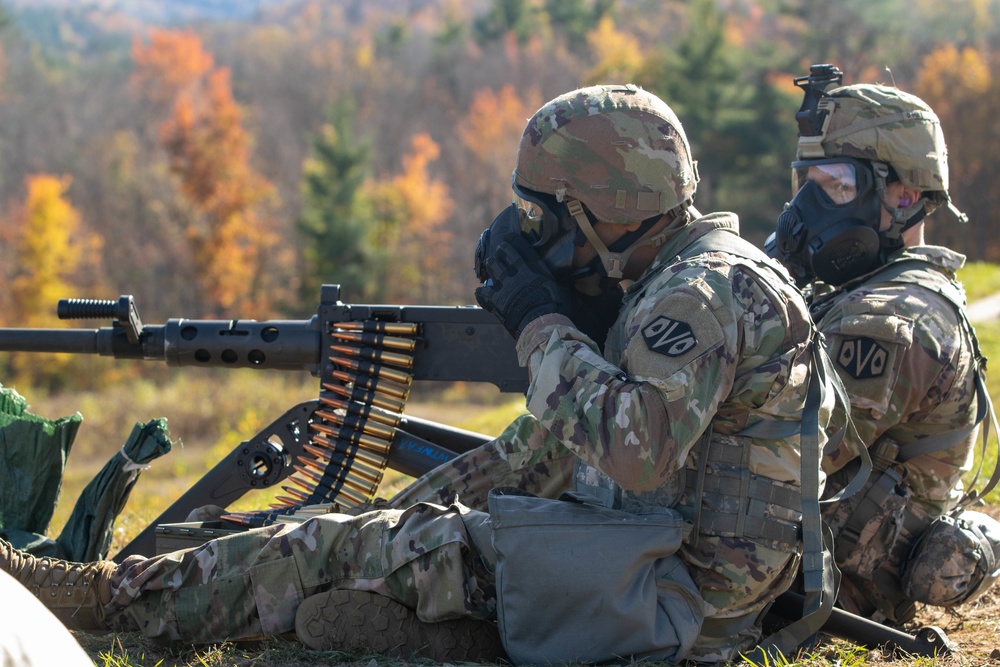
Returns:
(517,16)
(740,127)
(336,216)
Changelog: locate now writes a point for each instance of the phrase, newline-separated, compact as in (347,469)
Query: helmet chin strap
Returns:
(614,262)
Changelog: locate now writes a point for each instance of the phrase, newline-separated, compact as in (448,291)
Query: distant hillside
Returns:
(62,27)
(161,12)
(88,26)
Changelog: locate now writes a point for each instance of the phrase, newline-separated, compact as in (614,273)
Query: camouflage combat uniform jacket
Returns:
(908,362)
(708,345)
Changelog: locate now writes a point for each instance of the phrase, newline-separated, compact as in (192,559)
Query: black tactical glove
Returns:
(506,224)
(520,287)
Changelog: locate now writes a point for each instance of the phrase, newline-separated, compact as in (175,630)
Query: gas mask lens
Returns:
(537,224)
(839,179)
(553,236)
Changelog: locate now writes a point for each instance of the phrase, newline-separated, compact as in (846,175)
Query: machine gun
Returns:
(338,445)
(334,447)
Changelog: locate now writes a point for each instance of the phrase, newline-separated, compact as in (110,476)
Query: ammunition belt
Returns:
(364,390)
(362,404)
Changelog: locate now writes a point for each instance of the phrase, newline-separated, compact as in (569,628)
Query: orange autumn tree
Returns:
(231,218)
(493,125)
(172,62)
(49,249)
(617,55)
(412,209)
(959,85)
(490,131)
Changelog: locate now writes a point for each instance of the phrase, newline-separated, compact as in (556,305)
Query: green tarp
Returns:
(33,453)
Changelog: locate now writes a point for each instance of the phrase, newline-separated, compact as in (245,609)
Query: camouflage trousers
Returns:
(873,531)
(435,557)
(428,551)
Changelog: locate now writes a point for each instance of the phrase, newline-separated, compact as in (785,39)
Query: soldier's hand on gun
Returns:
(520,287)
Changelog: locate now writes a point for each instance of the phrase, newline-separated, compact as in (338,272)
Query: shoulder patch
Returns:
(668,336)
(862,357)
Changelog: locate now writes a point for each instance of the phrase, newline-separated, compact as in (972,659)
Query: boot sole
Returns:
(360,622)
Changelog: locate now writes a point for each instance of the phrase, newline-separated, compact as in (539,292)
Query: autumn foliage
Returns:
(960,86)
(494,122)
(229,227)
(235,165)
(171,63)
(49,248)
(413,207)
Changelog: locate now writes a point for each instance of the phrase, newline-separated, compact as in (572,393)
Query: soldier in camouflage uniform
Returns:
(695,403)
(892,313)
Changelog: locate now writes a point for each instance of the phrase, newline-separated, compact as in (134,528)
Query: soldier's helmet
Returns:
(885,124)
(619,150)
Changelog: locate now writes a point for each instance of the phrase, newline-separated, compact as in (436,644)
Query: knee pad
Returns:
(954,561)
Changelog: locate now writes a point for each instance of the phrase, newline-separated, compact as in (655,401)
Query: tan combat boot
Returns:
(360,622)
(75,592)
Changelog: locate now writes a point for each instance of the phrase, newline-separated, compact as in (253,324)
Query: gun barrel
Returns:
(73,341)
(449,343)
(271,345)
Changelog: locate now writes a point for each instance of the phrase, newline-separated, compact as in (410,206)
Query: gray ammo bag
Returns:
(577,582)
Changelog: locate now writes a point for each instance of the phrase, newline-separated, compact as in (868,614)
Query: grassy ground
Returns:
(981,279)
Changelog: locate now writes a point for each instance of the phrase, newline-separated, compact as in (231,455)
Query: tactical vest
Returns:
(733,502)
(914,271)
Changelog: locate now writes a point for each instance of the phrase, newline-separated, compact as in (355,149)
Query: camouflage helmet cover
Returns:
(885,124)
(619,150)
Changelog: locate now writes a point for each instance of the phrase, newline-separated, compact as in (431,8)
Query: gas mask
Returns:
(556,232)
(555,235)
(830,229)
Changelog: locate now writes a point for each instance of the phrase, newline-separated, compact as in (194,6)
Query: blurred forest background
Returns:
(224,158)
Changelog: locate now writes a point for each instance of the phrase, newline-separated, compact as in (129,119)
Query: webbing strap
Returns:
(759,488)
(699,486)
(727,524)
(820,577)
(973,495)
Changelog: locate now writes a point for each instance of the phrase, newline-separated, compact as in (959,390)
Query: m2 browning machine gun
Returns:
(336,447)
